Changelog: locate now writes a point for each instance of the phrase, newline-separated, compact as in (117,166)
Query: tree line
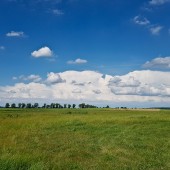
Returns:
(50,106)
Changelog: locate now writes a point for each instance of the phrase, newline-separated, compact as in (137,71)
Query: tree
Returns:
(60,106)
(69,106)
(23,105)
(35,105)
(13,105)
(19,105)
(74,105)
(82,105)
(7,105)
(44,106)
(65,105)
(57,105)
(52,105)
(28,105)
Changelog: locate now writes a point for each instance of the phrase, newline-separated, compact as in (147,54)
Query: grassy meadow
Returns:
(93,139)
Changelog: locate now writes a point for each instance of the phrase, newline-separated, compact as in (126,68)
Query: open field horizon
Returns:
(107,53)
(44,139)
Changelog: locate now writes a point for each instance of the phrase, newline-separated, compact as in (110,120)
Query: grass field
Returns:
(101,139)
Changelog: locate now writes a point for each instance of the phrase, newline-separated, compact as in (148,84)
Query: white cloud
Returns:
(76,91)
(130,82)
(77,61)
(26,91)
(160,62)
(57,12)
(143,84)
(158,2)
(2,48)
(139,86)
(32,78)
(141,20)
(155,30)
(97,91)
(54,78)
(42,52)
(15,34)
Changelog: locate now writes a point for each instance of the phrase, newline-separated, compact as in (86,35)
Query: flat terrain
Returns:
(93,139)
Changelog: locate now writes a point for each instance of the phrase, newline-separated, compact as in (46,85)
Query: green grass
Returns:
(49,139)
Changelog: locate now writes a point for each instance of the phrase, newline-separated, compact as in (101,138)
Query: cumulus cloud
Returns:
(141,20)
(155,30)
(54,78)
(76,91)
(15,34)
(25,91)
(137,86)
(32,78)
(42,52)
(143,83)
(160,62)
(77,61)
(97,91)
(130,82)
(158,2)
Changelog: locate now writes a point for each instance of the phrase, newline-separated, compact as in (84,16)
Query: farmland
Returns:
(46,139)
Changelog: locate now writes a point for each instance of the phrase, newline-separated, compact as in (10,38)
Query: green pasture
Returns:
(92,139)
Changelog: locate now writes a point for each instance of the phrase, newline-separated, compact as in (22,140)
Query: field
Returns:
(93,139)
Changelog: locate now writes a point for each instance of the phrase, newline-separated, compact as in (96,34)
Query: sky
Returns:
(100,52)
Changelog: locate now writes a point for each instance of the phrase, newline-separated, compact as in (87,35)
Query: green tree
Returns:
(19,105)
(65,105)
(13,105)
(7,105)
(69,106)
(44,106)
(74,105)
(82,105)
(52,105)
(88,106)
(28,105)
(58,105)
(23,105)
(35,105)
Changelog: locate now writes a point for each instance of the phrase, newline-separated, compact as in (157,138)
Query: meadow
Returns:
(93,139)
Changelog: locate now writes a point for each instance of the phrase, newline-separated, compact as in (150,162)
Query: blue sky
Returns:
(114,37)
